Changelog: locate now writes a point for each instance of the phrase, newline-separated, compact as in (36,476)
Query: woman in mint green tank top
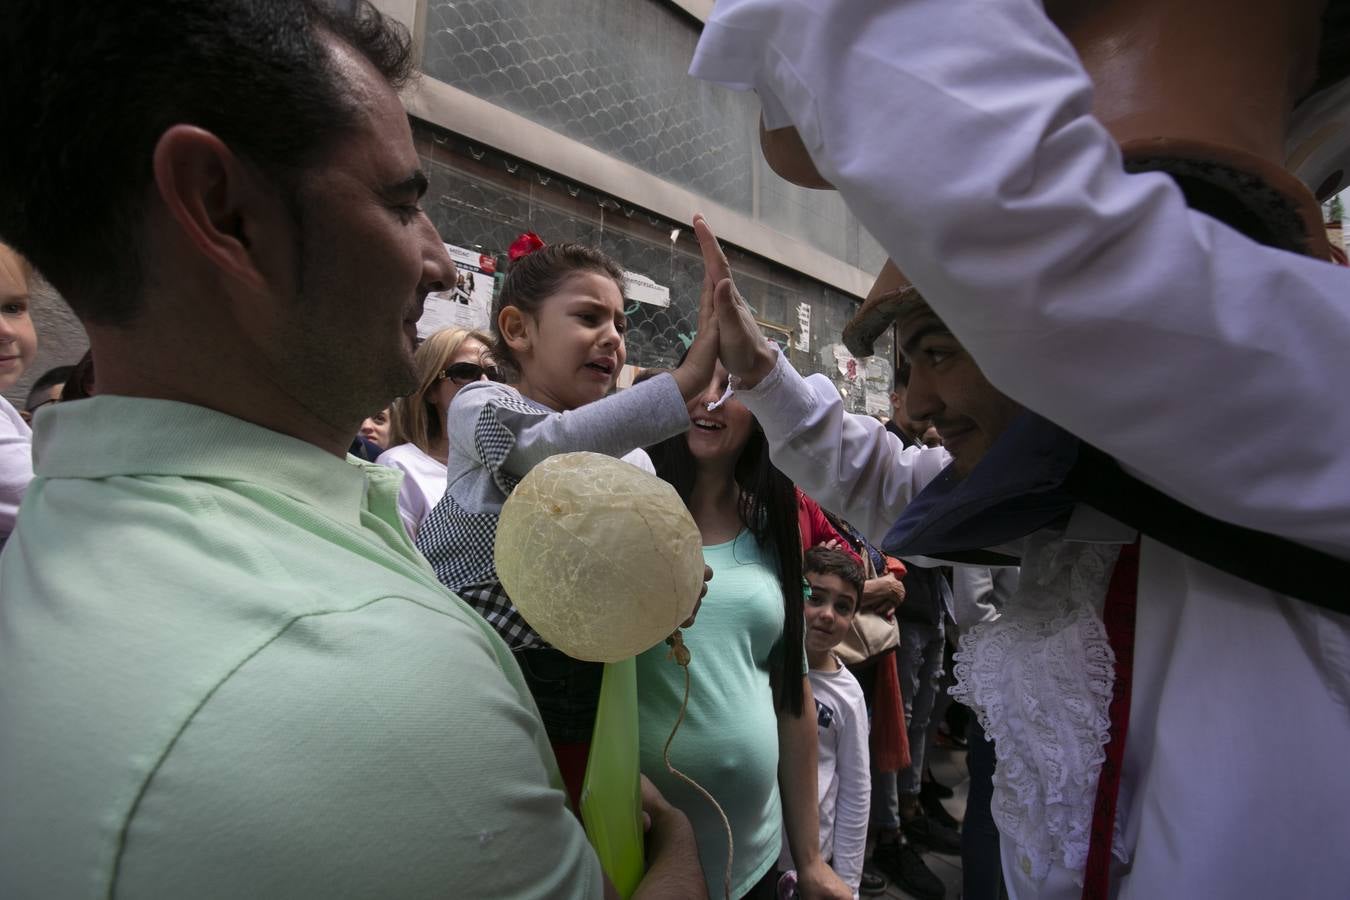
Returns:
(746,737)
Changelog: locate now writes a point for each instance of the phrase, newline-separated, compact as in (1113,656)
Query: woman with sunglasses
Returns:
(446,361)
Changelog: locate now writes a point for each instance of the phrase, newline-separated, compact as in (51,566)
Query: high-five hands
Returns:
(742,346)
(694,373)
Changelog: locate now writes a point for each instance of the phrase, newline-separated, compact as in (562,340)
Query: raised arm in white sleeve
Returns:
(849,464)
(960,134)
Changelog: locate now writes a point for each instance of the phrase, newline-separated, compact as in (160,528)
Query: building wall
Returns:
(601,86)
(613,75)
(609,77)
(481,199)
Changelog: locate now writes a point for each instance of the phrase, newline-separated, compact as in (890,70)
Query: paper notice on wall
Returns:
(847,365)
(877,385)
(469,303)
(804,327)
(641,289)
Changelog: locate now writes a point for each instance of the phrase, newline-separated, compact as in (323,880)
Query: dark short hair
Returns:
(49,379)
(89,87)
(901,375)
(835,562)
(531,278)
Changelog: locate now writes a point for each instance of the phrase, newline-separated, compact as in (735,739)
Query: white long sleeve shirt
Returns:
(843,773)
(960,134)
(16,465)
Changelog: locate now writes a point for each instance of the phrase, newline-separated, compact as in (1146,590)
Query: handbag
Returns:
(871,634)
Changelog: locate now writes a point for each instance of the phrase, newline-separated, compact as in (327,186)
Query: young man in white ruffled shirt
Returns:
(1049,723)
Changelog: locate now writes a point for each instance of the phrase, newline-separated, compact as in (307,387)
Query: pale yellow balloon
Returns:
(600,557)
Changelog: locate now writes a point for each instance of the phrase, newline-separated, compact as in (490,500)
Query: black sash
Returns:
(1035,472)
(1263,559)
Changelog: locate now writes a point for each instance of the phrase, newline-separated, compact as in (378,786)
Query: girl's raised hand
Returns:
(741,345)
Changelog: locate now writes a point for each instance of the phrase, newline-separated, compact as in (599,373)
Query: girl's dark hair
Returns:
(768,510)
(533,277)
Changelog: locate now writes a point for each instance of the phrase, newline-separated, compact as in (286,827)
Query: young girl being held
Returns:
(558,330)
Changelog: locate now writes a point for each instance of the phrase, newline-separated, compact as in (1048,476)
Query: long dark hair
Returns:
(768,510)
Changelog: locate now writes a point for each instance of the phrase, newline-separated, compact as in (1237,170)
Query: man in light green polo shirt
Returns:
(224,670)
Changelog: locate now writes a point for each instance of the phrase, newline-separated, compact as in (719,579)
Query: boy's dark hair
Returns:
(835,562)
(534,276)
(89,87)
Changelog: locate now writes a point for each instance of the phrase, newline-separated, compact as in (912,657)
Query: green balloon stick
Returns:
(611,796)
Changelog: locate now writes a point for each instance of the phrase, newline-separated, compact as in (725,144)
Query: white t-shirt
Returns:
(16,465)
(423,483)
(843,778)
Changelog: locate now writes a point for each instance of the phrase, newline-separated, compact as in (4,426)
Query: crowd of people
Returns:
(253,641)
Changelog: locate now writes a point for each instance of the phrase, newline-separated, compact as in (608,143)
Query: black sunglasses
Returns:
(463,373)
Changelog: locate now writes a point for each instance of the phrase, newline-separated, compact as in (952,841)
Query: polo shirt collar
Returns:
(107,436)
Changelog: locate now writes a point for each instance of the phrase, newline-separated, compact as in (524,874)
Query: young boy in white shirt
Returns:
(843,779)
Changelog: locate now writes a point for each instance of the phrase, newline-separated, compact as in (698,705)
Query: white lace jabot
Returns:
(1040,678)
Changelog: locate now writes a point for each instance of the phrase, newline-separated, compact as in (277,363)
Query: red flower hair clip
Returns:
(524,245)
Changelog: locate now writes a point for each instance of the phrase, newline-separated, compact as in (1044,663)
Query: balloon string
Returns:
(680,653)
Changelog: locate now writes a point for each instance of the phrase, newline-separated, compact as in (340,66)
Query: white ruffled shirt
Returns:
(1039,677)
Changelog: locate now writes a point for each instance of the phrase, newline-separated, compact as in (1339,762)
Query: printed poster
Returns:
(469,303)
(877,374)
(641,289)
(804,327)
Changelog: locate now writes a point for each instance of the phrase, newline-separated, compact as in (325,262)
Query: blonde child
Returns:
(18,346)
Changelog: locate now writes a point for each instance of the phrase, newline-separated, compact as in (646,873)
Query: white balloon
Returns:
(601,558)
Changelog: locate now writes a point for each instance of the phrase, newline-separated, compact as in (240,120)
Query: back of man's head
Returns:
(88,88)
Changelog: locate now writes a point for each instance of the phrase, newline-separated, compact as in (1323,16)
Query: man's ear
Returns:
(213,198)
(513,323)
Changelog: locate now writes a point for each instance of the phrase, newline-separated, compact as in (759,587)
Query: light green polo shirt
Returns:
(225,671)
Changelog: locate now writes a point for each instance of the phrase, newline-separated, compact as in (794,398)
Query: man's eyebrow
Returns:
(414,183)
(917,337)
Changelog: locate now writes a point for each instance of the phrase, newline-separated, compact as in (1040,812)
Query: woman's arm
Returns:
(816,528)
(801,810)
